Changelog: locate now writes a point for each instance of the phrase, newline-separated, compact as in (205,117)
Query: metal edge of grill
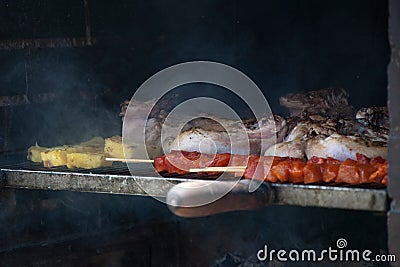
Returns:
(118,180)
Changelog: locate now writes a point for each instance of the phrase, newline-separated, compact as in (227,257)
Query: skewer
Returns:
(131,160)
(219,169)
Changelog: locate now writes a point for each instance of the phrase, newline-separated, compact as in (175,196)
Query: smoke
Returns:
(83,106)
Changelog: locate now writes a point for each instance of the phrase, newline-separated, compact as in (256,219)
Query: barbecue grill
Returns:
(158,238)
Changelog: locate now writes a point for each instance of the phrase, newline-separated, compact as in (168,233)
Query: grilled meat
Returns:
(329,138)
(211,140)
(295,142)
(343,147)
(374,116)
(187,160)
(295,148)
(331,102)
(204,129)
(363,130)
(319,119)
(204,141)
(323,124)
(160,109)
(363,170)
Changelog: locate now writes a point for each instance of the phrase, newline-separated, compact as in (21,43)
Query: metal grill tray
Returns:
(118,180)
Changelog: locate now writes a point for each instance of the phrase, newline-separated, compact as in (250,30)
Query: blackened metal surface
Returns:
(394,140)
(286,194)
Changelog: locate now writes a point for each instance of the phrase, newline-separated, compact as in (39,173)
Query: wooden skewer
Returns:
(131,160)
(219,169)
(207,169)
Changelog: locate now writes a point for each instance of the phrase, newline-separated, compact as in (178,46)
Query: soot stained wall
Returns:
(284,46)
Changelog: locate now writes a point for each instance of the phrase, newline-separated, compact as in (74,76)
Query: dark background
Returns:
(284,46)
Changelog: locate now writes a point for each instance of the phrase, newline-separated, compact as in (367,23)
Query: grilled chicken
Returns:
(323,124)
(343,147)
(295,142)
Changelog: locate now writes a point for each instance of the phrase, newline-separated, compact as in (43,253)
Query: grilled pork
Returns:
(213,140)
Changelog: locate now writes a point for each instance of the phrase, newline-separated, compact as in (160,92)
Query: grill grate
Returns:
(121,169)
(17,172)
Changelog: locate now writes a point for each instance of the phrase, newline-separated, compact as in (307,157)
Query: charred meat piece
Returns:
(374,116)
(331,102)
(161,107)
(364,130)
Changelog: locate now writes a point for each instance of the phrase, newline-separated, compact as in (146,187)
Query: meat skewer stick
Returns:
(219,169)
(130,160)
